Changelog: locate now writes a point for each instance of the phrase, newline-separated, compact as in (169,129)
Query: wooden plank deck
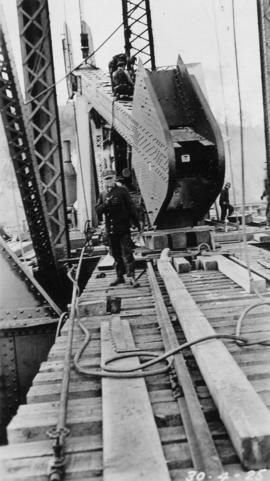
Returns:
(243,412)
(30,451)
(255,255)
(28,455)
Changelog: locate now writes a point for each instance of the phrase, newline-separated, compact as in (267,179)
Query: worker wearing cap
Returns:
(224,202)
(120,212)
(121,81)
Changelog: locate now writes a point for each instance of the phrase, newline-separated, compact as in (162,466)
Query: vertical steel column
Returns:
(138,31)
(20,142)
(263,7)
(37,57)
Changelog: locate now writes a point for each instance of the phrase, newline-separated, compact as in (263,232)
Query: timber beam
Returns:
(244,414)
(238,273)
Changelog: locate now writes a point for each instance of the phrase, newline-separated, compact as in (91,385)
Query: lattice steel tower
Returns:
(138,31)
(37,58)
(15,117)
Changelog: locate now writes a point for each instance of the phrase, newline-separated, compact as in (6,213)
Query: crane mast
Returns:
(138,31)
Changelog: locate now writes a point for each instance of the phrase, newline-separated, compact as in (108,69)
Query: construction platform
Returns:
(208,414)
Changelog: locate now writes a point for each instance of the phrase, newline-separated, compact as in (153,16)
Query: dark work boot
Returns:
(133,282)
(118,280)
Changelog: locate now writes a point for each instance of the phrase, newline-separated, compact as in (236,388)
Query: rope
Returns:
(63,317)
(241,145)
(263,302)
(116,372)
(262,342)
(224,103)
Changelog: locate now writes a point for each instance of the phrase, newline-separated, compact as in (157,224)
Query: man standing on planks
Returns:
(224,202)
(120,212)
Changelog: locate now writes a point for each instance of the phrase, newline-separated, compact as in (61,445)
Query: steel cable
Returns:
(263,302)
(81,63)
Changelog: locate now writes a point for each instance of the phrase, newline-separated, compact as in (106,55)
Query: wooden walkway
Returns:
(129,429)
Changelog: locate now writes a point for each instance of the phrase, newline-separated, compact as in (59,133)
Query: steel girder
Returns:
(165,135)
(20,143)
(150,141)
(138,31)
(37,58)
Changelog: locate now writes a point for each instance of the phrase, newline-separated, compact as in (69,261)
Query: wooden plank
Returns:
(33,421)
(207,263)
(259,269)
(202,448)
(181,264)
(155,241)
(262,237)
(106,262)
(73,444)
(92,308)
(240,274)
(244,414)
(51,391)
(80,466)
(131,445)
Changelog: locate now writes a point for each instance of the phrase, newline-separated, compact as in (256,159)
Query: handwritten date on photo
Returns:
(261,475)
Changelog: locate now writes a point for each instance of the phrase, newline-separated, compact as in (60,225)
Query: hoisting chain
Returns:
(175,386)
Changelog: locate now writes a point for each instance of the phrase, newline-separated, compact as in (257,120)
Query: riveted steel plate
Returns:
(10,386)
(153,152)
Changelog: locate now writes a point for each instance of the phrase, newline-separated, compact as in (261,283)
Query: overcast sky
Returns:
(198,30)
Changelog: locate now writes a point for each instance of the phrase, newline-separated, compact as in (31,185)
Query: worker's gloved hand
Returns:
(140,227)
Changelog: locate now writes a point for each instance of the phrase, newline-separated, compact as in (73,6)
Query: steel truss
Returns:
(20,142)
(138,31)
(37,58)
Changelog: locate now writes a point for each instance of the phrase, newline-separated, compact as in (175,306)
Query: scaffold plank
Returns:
(240,274)
(244,414)
(135,452)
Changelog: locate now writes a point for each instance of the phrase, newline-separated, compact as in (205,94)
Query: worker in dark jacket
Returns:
(266,194)
(120,212)
(120,57)
(122,82)
(224,202)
